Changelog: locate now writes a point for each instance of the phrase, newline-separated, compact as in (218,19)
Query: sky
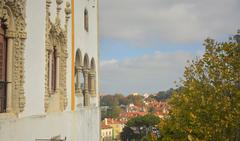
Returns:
(145,44)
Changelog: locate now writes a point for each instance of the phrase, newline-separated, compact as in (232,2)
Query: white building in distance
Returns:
(49,70)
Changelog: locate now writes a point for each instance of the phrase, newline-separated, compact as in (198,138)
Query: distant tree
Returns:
(164,95)
(147,138)
(207,106)
(113,112)
(122,100)
(135,99)
(151,110)
(113,102)
(104,114)
(109,100)
(150,98)
(150,137)
(137,128)
(127,134)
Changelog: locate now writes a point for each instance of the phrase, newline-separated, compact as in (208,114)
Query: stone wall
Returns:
(82,125)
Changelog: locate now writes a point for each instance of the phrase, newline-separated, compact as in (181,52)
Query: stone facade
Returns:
(52,88)
(13,15)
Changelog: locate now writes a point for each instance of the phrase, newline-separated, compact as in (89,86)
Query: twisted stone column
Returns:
(85,91)
(9,70)
(78,81)
(92,81)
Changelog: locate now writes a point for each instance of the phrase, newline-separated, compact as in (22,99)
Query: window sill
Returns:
(7,116)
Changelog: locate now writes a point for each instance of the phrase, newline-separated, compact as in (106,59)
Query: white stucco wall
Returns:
(77,126)
(35,58)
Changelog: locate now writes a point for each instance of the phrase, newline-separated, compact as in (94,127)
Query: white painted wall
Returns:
(69,65)
(78,126)
(34,58)
(106,134)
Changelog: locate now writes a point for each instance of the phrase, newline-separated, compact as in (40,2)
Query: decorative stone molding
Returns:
(56,37)
(14,16)
(11,34)
(86,93)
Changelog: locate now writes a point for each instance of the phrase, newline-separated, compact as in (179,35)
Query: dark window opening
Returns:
(3,69)
(86,24)
(54,69)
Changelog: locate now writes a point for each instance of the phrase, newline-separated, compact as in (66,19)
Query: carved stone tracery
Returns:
(56,37)
(12,13)
(88,91)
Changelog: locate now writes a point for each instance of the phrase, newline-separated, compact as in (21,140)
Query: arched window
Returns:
(3,68)
(93,64)
(86,23)
(86,61)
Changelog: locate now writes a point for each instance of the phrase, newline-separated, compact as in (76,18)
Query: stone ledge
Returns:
(7,116)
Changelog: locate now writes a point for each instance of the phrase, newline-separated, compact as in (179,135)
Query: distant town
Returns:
(118,109)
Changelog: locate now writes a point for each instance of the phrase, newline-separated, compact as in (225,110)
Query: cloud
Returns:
(146,21)
(159,23)
(147,73)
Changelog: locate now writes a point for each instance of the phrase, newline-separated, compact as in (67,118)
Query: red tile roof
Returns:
(104,126)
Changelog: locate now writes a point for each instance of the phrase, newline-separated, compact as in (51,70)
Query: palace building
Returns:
(49,70)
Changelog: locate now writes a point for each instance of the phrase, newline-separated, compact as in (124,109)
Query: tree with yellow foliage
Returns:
(207,106)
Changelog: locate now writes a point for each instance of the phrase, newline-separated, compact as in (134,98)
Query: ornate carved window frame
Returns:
(13,13)
(56,38)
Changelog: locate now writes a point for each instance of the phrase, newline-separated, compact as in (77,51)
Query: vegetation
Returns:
(119,99)
(115,103)
(112,112)
(139,127)
(207,108)
(164,95)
